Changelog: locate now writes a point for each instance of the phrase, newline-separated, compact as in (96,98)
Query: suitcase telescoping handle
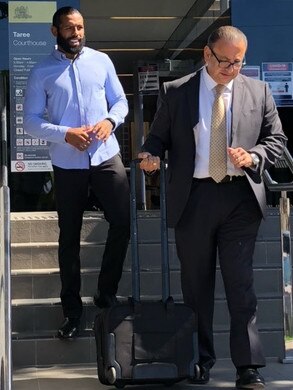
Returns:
(134,235)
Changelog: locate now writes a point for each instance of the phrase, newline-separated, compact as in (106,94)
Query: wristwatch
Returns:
(112,122)
(255,159)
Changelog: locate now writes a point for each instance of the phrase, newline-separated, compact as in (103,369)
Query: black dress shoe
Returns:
(69,328)
(104,300)
(201,375)
(249,378)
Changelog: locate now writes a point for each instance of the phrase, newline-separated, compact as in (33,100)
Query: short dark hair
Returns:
(229,33)
(61,12)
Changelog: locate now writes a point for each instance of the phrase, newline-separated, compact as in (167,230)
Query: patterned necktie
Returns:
(218,140)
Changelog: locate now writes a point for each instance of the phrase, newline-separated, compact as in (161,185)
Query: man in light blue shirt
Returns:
(74,100)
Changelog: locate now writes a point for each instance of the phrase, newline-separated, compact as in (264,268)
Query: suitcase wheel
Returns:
(111,375)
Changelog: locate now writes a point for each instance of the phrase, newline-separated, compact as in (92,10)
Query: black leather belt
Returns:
(226,179)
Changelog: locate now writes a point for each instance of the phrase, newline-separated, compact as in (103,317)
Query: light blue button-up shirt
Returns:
(62,93)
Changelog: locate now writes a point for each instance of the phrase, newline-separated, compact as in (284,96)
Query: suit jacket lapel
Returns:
(193,99)
(237,104)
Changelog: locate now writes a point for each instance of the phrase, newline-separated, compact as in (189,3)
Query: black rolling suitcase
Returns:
(140,342)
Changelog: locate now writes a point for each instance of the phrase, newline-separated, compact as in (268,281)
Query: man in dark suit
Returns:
(218,212)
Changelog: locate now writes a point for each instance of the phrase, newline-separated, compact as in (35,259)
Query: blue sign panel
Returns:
(30,39)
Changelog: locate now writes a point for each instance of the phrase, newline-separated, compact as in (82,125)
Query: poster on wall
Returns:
(30,39)
(148,78)
(280,79)
(252,71)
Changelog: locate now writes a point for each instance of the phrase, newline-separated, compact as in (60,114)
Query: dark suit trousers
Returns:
(109,183)
(221,218)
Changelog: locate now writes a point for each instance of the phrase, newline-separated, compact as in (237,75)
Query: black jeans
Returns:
(109,184)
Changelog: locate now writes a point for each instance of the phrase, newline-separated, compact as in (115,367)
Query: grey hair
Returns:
(228,33)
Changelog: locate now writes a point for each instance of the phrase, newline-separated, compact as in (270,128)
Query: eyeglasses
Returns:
(227,64)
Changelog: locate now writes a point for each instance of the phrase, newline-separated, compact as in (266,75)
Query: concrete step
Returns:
(37,313)
(278,376)
(41,318)
(52,351)
(43,227)
(82,350)
(35,241)
(43,283)
(45,254)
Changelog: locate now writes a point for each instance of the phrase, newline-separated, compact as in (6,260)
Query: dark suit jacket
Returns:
(256,127)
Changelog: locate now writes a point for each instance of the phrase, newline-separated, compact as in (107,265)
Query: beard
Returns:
(64,44)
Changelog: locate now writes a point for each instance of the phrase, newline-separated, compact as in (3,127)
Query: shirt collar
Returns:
(210,82)
(59,55)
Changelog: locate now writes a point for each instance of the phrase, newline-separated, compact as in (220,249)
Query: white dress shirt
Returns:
(202,129)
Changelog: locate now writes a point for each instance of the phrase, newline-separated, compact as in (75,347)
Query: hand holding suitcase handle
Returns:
(148,162)
(134,230)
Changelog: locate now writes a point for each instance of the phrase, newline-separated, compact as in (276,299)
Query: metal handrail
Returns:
(285,161)
(5,272)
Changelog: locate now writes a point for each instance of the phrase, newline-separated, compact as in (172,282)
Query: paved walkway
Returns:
(278,377)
